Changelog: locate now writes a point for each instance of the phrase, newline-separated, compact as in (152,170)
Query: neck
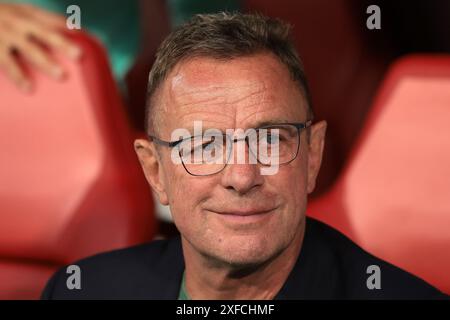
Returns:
(205,281)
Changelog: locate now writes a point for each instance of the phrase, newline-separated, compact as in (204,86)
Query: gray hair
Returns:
(225,36)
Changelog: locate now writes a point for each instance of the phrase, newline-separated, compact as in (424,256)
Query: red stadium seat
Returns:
(393,197)
(70,183)
(344,63)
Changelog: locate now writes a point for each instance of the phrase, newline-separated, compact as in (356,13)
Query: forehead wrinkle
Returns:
(276,105)
(216,105)
(210,101)
(257,98)
(257,95)
(209,86)
(259,103)
(203,116)
(186,89)
(195,97)
(224,98)
(252,119)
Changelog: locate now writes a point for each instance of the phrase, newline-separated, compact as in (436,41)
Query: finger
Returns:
(37,56)
(43,16)
(54,40)
(50,38)
(9,64)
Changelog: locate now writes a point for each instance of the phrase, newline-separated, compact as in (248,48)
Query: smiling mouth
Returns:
(244,215)
(241,212)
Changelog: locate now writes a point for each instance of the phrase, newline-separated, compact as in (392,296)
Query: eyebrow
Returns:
(270,123)
(258,124)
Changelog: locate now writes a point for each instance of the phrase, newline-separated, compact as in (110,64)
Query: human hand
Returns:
(29,32)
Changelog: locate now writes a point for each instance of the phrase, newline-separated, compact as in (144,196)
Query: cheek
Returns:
(291,180)
(186,193)
(291,185)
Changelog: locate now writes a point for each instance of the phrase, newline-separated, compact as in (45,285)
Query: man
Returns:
(244,234)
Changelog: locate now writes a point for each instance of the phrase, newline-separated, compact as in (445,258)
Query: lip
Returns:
(241,216)
(244,212)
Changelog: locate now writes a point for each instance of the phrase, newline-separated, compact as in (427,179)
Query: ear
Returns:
(315,152)
(151,165)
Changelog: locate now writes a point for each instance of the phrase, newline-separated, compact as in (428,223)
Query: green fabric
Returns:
(114,22)
(183,295)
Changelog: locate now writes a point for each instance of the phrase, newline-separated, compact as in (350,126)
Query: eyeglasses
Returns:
(208,154)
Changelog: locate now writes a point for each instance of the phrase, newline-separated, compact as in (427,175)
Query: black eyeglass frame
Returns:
(171,144)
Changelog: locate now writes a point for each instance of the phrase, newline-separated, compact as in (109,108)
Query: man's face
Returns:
(237,216)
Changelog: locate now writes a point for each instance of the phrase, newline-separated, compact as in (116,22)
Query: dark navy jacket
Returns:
(330,266)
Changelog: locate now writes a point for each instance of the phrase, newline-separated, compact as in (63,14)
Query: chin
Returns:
(244,252)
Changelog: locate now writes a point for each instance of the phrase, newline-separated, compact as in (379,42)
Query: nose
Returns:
(241,176)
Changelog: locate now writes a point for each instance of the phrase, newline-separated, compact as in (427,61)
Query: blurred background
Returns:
(72,101)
